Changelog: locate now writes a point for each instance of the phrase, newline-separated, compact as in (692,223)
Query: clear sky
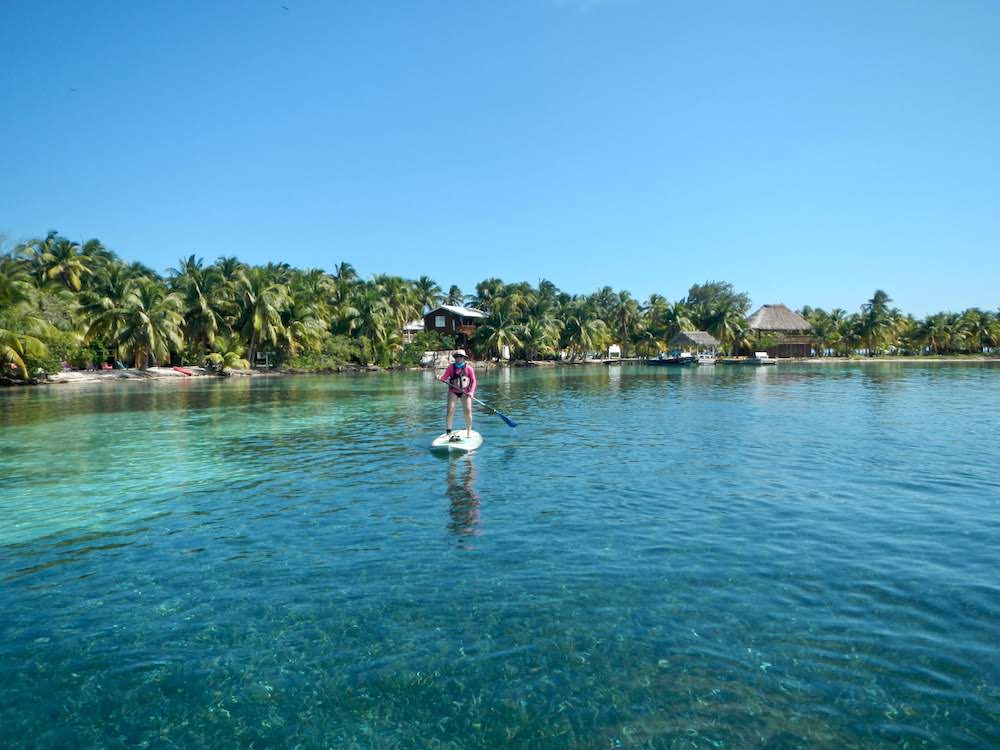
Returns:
(808,152)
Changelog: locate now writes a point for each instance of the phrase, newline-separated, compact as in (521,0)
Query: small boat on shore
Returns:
(758,359)
(762,358)
(690,348)
(683,359)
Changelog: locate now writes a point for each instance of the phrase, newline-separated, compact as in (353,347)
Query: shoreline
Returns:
(168,373)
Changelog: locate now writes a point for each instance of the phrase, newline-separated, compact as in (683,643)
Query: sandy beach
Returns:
(152,373)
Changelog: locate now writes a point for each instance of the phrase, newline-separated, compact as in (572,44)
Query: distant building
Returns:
(452,320)
(790,331)
(411,329)
(696,342)
(702,346)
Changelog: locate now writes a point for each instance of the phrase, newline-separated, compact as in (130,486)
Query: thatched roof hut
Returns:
(696,339)
(787,331)
(778,318)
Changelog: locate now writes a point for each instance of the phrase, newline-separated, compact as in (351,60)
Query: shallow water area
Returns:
(792,556)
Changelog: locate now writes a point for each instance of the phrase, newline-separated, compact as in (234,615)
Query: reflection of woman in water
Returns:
(464,502)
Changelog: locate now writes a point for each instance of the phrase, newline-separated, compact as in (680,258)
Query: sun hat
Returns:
(459,353)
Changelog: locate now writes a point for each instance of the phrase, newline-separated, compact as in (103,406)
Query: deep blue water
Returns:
(798,556)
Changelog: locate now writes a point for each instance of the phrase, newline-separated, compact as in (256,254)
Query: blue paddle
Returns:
(510,422)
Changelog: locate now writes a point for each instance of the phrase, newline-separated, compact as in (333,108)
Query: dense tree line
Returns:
(62,301)
(878,328)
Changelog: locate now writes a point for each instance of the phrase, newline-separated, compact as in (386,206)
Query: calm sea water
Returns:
(779,557)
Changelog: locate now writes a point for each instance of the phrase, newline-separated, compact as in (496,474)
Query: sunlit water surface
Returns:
(784,557)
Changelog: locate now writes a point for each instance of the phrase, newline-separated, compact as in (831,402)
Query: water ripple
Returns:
(785,557)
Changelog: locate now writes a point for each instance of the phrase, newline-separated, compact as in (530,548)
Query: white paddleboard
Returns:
(458,440)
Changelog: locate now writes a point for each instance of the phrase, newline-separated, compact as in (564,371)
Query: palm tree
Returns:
(229,267)
(317,289)
(500,328)
(542,307)
(57,259)
(829,329)
(644,341)
(21,328)
(728,325)
(386,348)
(840,331)
(306,317)
(584,331)
(400,297)
(626,317)
(934,332)
(454,296)
(202,291)
(15,282)
(102,304)
(486,292)
(152,323)
(345,272)
(428,292)
(877,322)
(227,353)
(991,335)
(980,328)
(604,301)
(21,341)
(547,290)
(653,313)
(261,298)
(374,321)
(98,255)
(676,318)
(344,315)
(538,338)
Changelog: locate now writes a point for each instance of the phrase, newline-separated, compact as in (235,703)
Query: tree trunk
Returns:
(253,348)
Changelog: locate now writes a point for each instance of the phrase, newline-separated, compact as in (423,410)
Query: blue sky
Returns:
(808,152)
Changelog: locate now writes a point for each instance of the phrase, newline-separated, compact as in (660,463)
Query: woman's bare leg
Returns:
(467,408)
(450,414)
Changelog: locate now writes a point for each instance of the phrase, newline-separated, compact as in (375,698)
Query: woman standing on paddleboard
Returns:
(461,380)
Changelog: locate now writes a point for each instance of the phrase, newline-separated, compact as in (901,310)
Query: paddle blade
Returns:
(510,422)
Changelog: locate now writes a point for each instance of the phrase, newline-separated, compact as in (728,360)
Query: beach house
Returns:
(455,321)
(786,333)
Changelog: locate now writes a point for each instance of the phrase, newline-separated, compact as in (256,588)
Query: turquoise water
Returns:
(777,557)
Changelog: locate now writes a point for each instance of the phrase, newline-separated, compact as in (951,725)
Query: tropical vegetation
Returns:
(66,303)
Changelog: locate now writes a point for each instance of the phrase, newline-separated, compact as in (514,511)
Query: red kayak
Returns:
(183,371)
